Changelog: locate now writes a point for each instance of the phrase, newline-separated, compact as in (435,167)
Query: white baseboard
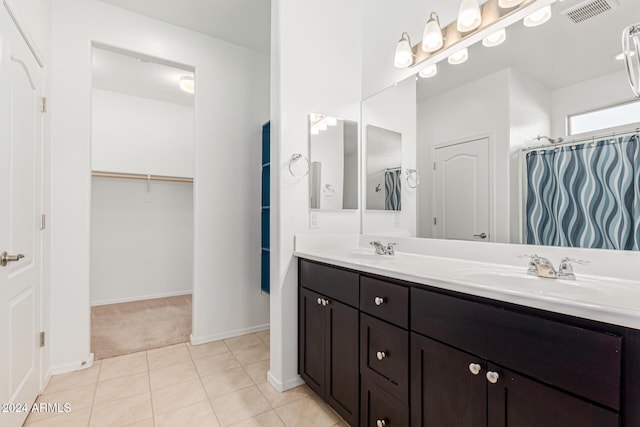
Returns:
(284,386)
(141,298)
(70,367)
(230,334)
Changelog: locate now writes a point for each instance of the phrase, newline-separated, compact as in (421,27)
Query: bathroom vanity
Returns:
(389,352)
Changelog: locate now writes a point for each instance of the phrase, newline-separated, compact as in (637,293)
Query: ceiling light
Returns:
(508,4)
(495,39)
(459,57)
(432,35)
(538,17)
(404,54)
(331,121)
(469,17)
(187,84)
(429,71)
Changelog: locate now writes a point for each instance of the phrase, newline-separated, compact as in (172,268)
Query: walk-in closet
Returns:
(142,158)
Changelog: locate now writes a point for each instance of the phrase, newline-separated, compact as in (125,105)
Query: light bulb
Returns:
(429,71)
(432,35)
(495,39)
(404,55)
(469,17)
(331,121)
(322,125)
(459,57)
(538,17)
(314,130)
(508,4)
(187,84)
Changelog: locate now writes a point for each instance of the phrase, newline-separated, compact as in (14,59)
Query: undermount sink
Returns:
(363,255)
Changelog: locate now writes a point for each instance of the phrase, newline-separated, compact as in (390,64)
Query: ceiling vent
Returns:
(588,9)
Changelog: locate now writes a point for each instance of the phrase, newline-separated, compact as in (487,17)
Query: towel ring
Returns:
(413,177)
(329,190)
(295,158)
(631,46)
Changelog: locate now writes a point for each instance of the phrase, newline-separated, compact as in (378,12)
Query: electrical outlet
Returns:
(314,224)
(396,220)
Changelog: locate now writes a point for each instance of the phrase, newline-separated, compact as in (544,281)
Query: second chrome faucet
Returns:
(382,249)
(542,267)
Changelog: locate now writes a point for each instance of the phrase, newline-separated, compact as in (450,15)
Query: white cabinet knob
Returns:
(325,302)
(381,355)
(381,423)
(474,368)
(492,377)
(319,301)
(378,300)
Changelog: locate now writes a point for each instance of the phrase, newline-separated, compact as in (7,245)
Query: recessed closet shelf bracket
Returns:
(145,177)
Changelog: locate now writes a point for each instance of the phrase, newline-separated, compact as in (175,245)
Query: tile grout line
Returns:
(95,392)
(153,415)
(215,415)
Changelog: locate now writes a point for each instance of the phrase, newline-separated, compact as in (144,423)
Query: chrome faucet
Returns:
(381,249)
(565,270)
(541,267)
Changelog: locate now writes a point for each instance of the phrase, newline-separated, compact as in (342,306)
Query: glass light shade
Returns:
(404,55)
(314,130)
(495,39)
(322,125)
(458,57)
(187,84)
(538,17)
(432,35)
(620,56)
(331,121)
(507,4)
(429,71)
(469,17)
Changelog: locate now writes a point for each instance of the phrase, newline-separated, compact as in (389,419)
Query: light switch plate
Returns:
(396,220)
(313,221)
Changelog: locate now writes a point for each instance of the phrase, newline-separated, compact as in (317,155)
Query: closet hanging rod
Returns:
(141,176)
(576,141)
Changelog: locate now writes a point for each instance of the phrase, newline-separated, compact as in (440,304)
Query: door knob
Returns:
(5,258)
(481,235)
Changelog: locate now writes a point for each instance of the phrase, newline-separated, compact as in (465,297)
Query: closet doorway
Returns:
(142,157)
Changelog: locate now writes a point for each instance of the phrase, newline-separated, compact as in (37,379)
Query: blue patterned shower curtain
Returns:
(392,190)
(585,195)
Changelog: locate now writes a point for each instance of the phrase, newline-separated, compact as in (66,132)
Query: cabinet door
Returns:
(342,381)
(379,408)
(444,390)
(312,340)
(515,401)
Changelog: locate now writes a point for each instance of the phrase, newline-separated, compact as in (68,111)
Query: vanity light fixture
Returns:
(432,36)
(538,17)
(495,39)
(404,54)
(331,121)
(620,56)
(508,4)
(429,71)
(459,57)
(469,16)
(187,84)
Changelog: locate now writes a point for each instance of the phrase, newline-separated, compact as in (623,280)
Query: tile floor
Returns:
(222,383)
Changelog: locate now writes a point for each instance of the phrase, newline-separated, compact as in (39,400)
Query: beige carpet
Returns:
(128,327)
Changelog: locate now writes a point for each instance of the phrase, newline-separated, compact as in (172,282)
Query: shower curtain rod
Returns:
(580,140)
(141,176)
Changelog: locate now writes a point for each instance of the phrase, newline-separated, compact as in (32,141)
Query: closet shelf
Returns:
(141,176)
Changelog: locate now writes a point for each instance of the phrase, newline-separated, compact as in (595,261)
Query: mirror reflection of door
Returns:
(384,169)
(461,191)
(143,138)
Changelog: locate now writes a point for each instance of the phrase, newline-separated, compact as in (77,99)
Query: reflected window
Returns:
(604,118)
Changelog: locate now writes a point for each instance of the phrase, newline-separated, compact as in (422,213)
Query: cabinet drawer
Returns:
(376,406)
(384,356)
(330,281)
(385,300)
(582,361)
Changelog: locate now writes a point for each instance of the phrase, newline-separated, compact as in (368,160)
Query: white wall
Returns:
(230,106)
(315,67)
(604,91)
(393,109)
(141,241)
(131,134)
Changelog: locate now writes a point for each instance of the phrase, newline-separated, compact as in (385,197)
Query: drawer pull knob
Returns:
(379,300)
(381,355)
(319,301)
(475,369)
(325,302)
(381,423)
(492,377)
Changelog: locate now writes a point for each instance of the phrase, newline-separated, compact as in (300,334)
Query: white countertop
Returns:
(606,299)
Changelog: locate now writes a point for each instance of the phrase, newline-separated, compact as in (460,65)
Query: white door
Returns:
(461,193)
(20,211)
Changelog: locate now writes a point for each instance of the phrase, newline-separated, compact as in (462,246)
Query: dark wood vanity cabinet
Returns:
(431,357)
(328,340)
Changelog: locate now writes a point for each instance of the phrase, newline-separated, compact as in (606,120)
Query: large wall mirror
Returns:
(333,169)
(505,110)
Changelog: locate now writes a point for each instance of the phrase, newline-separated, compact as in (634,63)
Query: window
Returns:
(605,118)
